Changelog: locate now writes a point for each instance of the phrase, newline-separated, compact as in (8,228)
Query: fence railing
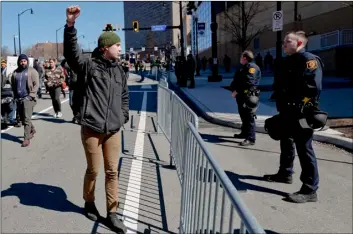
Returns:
(182,114)
(209,198)
(204,183)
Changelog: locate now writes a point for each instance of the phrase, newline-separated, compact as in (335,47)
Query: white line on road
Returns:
(131,206)
(37,115)
(146,87)
(140,91)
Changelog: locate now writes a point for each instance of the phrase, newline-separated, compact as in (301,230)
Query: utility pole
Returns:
(215,76)
(181,30)
(197,42)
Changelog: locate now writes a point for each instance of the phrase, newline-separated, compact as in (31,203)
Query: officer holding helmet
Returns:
(297,90)
(244,88)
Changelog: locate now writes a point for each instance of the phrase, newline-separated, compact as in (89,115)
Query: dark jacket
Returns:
(247,77)
(299,76)
(102,91)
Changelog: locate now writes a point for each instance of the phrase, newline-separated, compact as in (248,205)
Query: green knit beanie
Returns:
(108,39)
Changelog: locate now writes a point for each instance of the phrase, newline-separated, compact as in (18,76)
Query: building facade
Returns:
(46,50)
(329,24)
(149,14)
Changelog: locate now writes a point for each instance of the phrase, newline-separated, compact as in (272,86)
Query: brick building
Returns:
(46,50)
(330,25)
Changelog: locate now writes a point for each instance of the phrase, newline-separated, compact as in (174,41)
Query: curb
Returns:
(339,141)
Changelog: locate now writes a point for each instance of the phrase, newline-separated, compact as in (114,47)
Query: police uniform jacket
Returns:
(246,78)
(299,80)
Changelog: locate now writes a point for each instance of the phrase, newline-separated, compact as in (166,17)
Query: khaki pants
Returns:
(24,115)
(96,145)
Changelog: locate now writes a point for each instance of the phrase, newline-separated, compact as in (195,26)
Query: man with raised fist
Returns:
(103,101)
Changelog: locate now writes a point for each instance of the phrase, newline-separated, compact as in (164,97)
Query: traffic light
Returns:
(135,26)
(109,27)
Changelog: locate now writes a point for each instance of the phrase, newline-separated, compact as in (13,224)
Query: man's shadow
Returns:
(47,197)
(243,186)
(10,137)
(42,195)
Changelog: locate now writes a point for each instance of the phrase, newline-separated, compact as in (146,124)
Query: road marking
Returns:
(131,206)
(146,87)
(139,91)
(36,115)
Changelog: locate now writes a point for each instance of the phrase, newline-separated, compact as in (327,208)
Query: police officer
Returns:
(244,88)
(299,83)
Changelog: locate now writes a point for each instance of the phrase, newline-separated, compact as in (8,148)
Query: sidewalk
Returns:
(217,106)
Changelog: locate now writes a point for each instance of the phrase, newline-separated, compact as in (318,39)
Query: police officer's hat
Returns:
(272,127)
(315,120)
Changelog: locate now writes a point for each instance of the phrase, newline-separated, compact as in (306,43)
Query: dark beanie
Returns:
(22,56)
(108,39)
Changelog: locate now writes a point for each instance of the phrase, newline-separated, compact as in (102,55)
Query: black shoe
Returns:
(74,120)
(115,224)
(301,197)
(91,211)
(280,178)
(18,125)
(239,136)
(247,143)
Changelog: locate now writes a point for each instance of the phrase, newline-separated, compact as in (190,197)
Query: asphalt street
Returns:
(245,167)
(42,184)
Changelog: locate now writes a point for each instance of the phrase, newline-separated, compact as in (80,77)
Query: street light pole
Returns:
(57,44)
(19,27)
(14,44)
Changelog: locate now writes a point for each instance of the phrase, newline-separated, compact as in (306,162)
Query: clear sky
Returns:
(50,16)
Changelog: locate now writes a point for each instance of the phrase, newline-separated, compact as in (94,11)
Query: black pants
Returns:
(25,111)
(191,77)
(247,118)
(55,98)
(302,141)
(6,109)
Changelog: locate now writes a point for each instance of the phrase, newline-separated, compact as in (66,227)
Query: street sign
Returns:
(155,48)
(158,27)
(201,28)
(143,48)
(131,49)
(277,21)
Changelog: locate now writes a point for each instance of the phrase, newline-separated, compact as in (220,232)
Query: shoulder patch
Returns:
(252,70)
(311,64)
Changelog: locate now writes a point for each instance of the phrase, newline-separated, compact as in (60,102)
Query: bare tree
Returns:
(28,51)
(241,25)
(5,51)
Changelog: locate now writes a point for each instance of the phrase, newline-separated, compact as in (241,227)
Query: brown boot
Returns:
(25,143)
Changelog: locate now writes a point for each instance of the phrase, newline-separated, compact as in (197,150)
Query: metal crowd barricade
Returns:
(182,114)
(209,198)
(204,184)
(164,110)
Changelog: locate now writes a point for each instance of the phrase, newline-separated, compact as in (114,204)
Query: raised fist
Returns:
(72,13)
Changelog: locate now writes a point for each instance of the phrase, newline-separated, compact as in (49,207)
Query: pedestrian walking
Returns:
(105,98)
(25,84)
(54,78)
